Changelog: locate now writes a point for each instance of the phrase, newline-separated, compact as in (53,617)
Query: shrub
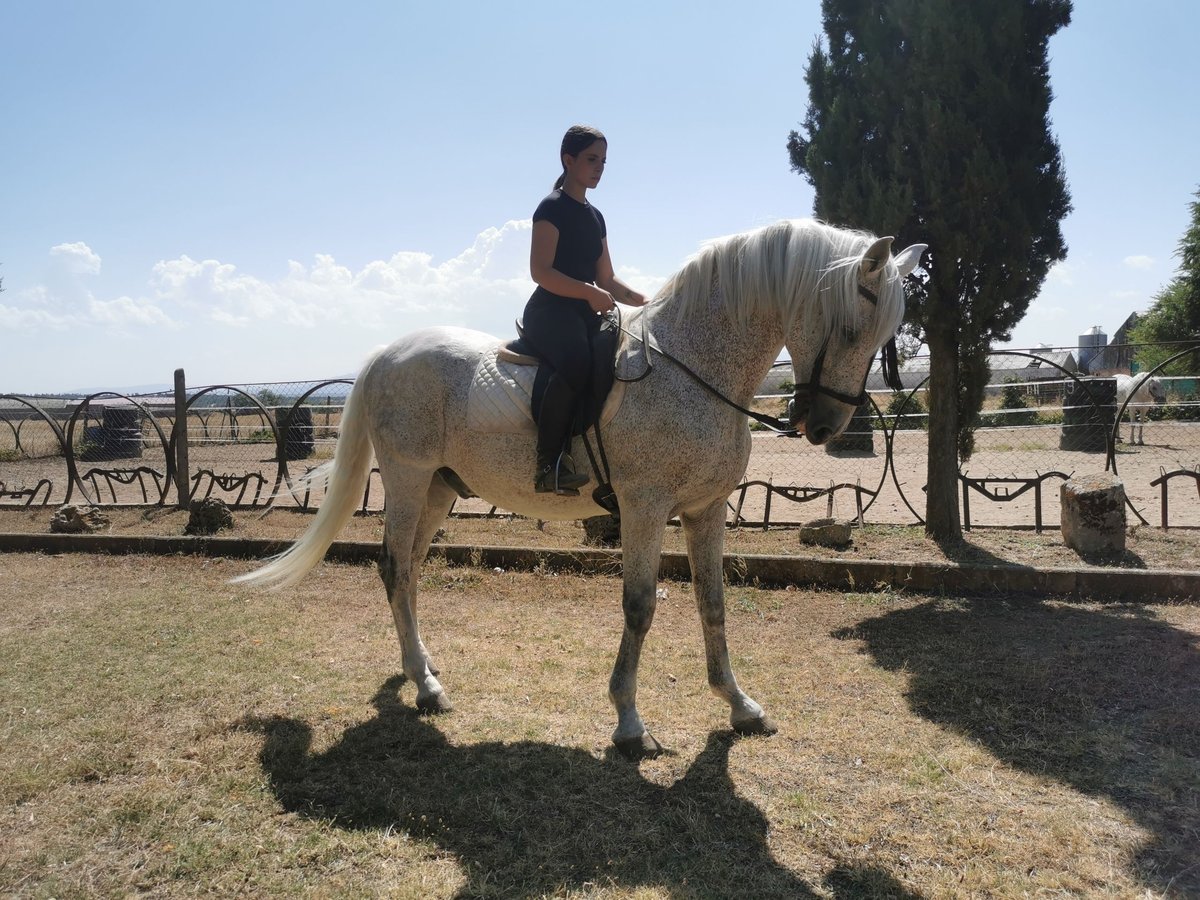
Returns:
(1012,397)
(908,413)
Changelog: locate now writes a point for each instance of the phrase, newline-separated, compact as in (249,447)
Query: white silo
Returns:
(1090,345)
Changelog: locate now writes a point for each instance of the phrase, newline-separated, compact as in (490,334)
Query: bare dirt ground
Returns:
(1149,548)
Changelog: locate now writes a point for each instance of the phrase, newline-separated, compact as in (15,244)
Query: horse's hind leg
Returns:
(437,506)
(705,534)
(416,505)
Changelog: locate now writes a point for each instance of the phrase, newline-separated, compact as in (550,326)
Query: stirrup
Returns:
(555,478)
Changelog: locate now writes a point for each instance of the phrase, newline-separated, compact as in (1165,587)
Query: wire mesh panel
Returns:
(251,445)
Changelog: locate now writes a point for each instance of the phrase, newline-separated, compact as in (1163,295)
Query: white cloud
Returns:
(64,301)
(491,273)
(224,322)
(78,258)
(1139,262)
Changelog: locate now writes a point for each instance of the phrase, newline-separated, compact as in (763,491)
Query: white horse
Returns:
(832,297)
(1141,391)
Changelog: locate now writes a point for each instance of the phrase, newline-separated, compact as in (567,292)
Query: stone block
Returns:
(1093,514)
(208,516)
(72,519)
(602,531)
(826,532)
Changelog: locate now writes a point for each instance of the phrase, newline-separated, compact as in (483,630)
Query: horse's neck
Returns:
(733,360)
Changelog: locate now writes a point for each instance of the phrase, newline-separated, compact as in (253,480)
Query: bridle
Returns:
(889,365)
(888,358)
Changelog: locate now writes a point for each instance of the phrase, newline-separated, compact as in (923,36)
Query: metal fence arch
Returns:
(875,477)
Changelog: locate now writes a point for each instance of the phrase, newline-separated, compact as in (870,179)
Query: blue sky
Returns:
(266,191)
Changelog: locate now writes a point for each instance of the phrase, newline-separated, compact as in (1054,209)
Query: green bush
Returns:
(1012,397)
(914,414)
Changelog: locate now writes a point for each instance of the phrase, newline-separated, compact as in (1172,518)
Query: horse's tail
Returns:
(345,477)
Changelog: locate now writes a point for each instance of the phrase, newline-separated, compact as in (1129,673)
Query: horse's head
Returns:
(1157,391)
(862,307)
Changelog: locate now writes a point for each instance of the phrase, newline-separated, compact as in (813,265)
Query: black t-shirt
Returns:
(580,231)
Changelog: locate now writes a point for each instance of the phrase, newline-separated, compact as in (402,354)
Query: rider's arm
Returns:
(607,279)
(541,269)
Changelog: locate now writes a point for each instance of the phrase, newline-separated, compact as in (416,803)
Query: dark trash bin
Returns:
(297,427)
(123,432)
(1089,411)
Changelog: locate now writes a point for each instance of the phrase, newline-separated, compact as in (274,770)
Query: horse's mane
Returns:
(780,267)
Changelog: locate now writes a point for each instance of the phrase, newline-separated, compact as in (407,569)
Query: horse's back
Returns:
(417,383)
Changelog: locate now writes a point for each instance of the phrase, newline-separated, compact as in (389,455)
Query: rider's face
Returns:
(586,168)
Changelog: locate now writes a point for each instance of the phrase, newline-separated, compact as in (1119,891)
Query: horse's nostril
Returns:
(820,434)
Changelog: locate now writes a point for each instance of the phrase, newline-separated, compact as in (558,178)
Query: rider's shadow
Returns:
(527,818)
(1104,700)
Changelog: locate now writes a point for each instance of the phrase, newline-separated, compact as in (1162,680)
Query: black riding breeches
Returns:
(561,330)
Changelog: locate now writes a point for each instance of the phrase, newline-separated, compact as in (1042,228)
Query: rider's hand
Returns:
(600,300)
(634,298)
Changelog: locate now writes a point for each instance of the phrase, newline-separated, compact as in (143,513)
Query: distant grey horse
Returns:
(1140,391)
(832,297)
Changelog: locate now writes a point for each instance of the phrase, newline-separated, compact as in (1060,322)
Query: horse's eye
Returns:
(850,335)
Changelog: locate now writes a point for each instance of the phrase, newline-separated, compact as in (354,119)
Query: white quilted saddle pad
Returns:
(499,396)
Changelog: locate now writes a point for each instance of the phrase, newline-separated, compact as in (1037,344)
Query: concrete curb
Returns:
(770,571)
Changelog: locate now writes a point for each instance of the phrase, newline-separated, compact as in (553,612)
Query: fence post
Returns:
(182,471)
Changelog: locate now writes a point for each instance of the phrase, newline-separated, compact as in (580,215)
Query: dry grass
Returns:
(164,733)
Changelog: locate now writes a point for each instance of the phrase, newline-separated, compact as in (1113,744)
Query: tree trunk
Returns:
(942,522)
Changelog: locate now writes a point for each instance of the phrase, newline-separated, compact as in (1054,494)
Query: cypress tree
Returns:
(928,120)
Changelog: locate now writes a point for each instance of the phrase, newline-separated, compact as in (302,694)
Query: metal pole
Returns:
(183,492)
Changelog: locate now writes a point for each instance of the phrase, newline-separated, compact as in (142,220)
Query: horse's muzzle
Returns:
(818,418)
(797,410)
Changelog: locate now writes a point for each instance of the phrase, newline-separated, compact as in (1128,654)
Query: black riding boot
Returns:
(555,469)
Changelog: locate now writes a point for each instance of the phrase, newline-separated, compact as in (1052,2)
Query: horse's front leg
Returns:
(641,543)
(705,535)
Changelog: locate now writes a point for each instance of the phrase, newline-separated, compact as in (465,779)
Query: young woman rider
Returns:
(575,283)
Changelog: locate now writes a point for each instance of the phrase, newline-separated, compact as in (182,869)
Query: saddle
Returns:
(507,389)
(508,385)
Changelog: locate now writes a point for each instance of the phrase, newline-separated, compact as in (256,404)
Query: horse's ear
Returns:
(908,258)
(876,258)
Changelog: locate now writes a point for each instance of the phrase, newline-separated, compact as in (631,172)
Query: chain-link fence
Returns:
(1043,421)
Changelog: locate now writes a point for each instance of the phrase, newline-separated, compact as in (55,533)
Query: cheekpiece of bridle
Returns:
(889,363)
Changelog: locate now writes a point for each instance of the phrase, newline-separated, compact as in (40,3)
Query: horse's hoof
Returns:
(759,725)
(435,704)
(635,748)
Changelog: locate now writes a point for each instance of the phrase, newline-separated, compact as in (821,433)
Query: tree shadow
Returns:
(528,818)
(963,551)
(1106,701)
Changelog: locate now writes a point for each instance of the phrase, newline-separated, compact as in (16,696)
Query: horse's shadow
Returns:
(527,818)
(1104,700)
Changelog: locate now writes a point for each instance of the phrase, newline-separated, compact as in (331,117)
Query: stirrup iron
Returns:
(560,479)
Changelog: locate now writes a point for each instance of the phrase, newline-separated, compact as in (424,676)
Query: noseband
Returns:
(889,362)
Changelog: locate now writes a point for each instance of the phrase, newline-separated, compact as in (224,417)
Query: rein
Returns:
(604,495)
(889,364)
